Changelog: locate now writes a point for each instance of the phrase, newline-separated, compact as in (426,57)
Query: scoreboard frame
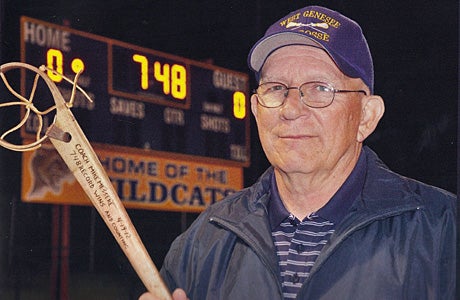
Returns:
(230,121)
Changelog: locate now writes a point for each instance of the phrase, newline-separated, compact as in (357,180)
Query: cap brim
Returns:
(264,48)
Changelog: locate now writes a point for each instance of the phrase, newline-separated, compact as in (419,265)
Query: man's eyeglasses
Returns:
(313,94)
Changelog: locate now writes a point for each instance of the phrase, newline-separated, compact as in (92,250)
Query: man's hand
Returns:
(178,294)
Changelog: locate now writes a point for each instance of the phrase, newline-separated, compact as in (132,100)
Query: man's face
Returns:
(297,138)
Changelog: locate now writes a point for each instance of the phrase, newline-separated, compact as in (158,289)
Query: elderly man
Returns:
(327,220)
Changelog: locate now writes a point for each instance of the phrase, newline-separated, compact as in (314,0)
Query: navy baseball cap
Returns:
(341,37)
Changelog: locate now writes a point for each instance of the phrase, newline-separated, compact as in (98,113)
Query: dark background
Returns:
(415,51)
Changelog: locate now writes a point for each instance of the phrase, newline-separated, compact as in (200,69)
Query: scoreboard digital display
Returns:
(144,98)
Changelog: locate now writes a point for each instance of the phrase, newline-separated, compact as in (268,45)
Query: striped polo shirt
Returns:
(299,242)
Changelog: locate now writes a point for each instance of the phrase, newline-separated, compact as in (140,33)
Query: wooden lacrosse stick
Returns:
(76,151)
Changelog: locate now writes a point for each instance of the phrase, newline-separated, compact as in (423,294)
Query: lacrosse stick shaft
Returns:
(81,159)
(87,169)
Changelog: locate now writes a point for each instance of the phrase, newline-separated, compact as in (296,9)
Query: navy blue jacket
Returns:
(397,242)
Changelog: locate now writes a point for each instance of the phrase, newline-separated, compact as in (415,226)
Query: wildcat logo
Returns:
(49,172)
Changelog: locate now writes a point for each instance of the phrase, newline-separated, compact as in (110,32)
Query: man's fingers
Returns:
(179,294)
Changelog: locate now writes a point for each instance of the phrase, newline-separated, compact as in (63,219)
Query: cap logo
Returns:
(316,32)
(298,25)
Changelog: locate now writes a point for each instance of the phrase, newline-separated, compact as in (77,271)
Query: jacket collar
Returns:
(383,191)
(335,209)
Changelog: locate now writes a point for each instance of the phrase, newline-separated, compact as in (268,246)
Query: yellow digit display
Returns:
(178,81)
(55,64)
(173,78)
(239,105)
(54,61)
(77,65)
(144,70)
(161,74)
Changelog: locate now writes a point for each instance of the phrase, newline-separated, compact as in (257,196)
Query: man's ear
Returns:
(373,108)
(254,105)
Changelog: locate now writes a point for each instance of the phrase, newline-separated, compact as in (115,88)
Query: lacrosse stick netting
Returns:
(72,145)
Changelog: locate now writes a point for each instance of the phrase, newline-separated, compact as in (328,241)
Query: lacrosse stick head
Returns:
(39,103)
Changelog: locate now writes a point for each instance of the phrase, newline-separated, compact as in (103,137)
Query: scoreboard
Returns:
(142,98)
(172,133)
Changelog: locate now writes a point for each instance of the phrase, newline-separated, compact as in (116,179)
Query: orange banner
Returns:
(142,179)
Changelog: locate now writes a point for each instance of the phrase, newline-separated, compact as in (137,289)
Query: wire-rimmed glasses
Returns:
(314,94)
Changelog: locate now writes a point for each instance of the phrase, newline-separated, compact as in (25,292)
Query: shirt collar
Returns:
(335,209)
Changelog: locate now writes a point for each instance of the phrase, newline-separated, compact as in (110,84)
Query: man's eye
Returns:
(275,88)
(323,88)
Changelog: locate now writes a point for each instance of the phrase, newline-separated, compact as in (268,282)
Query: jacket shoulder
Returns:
(386,186)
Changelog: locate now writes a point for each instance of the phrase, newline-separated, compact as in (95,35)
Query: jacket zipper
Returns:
(347,233)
